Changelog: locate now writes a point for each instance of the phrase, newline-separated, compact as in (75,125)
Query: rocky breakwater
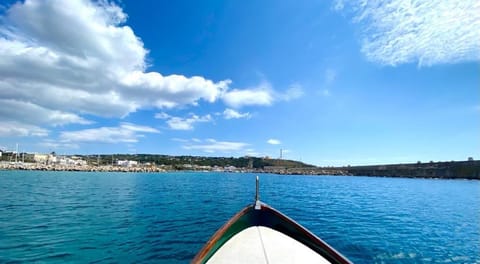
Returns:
(442,170)
(56,167)
(304,171)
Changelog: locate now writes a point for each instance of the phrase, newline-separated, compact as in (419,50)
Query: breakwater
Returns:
(168,168)
(441,170)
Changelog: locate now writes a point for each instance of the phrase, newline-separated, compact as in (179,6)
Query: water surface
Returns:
(166,217)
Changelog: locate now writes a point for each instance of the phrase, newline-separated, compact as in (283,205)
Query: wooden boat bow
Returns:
(276,236)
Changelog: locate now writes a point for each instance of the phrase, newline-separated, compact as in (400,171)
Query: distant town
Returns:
(13,160)
(147,163)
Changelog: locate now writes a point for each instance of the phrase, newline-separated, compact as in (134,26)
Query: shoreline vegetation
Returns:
(162,163)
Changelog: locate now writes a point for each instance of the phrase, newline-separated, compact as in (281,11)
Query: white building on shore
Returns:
(40,158)
(127,163)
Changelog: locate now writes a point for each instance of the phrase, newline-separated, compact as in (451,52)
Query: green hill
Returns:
(240,162)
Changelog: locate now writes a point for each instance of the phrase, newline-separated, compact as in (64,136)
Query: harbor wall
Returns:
(443,170)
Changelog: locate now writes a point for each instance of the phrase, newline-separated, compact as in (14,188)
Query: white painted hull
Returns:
(259,244)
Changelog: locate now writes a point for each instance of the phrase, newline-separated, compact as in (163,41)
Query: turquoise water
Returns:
(141,218)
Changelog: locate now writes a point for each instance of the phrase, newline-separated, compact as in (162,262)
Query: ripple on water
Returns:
(116,217)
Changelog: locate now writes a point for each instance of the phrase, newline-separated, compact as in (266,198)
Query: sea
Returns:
(91,217)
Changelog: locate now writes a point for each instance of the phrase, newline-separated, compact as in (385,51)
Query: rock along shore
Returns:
(110,168)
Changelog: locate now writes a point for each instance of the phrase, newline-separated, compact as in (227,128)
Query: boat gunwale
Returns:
(333,254)
(200,257)
(313,242)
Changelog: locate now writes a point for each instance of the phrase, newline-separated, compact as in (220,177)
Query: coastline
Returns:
(161,168)
(391,171)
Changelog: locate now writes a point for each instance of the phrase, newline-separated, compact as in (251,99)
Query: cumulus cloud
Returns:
(13,109)
(187,123)
(125,133)
(69,58)
(274,141)
(261,95)
(13,128)
(424,32)
(180,123)
(63,60)
(232,114)
(87,61)
(214,146)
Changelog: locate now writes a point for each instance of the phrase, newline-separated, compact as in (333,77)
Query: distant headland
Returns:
(469,169)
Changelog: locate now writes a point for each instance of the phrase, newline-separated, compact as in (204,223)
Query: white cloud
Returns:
(262,95)
(75,65)
(179,123)
(232,114)
(179,140)
(13,128)
(338,5)
(55,145)
(126,133)
(274,141)
(153,89)
(13,109)
(162,115)
(294,91)
(253,153)
(423,32)
(69,58)
(62,60)
(138,128)
(214,146)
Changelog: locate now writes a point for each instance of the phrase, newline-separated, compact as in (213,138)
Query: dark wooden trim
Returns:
(200,257)
(269,217)
(332,254)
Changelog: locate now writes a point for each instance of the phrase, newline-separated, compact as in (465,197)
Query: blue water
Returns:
(140,218)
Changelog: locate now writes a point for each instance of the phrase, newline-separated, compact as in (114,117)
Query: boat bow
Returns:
(262,234)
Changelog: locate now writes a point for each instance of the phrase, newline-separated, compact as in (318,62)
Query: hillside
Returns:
(240,162)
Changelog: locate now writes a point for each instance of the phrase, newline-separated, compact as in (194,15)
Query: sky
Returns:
(327,82)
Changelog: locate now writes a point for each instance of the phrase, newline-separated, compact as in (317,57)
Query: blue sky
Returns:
(329,82)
